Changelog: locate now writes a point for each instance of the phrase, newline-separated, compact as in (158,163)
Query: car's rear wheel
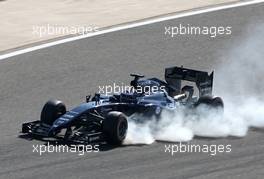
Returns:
(115,127)
(211,102)
(51,111)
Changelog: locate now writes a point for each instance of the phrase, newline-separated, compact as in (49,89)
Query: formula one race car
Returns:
(104,117)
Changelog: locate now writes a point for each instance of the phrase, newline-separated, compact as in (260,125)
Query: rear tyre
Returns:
(153,112)
(51,111)
(115,127)
(211,102)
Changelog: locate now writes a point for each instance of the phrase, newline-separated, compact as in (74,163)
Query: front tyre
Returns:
(115,127)
(51,111)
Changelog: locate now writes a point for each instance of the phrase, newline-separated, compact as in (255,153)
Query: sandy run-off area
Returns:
(29,21)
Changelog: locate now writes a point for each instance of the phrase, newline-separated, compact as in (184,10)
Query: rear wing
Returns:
(203,80)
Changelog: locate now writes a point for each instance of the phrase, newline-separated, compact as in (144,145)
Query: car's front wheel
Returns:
(115,127)
(51,111)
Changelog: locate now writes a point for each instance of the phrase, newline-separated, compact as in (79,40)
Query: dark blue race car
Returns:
(104,118)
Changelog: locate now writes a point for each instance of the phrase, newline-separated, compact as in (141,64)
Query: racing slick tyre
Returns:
(211,102)
(115,127)
(51,111)
(153,111)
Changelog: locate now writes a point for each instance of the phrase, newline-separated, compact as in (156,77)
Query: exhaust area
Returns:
(238,81)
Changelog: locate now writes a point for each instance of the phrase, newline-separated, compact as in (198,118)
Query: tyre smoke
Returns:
(238,81)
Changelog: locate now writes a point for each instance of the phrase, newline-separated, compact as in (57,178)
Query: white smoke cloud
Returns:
(139,133)
(238,80)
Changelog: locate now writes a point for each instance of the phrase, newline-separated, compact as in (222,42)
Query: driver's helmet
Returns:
(148,86)
(128,97)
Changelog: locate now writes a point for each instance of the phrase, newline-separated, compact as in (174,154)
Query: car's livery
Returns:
(104,118)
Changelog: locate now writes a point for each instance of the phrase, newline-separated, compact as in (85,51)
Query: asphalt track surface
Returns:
(72,70)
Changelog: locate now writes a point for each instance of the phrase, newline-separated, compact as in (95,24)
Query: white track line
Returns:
(128,26)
